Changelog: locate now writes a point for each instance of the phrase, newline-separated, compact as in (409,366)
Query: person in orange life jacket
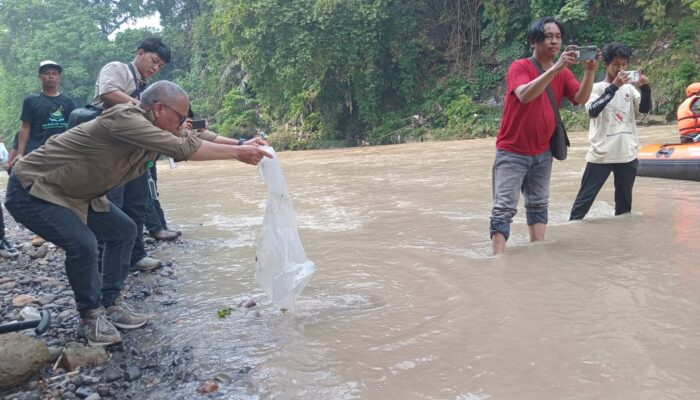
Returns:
(688,115)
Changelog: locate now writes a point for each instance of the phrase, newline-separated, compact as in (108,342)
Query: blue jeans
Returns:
(131,199)
(62,227)
(514,173)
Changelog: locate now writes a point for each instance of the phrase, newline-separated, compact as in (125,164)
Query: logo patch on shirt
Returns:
(56,119)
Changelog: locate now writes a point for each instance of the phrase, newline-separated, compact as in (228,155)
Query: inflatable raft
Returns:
(671,161)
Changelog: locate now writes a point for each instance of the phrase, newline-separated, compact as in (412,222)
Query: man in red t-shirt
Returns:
(523,158)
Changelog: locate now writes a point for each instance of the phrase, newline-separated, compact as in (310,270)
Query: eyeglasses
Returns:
(181,117)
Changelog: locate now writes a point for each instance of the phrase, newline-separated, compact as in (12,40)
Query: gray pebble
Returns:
(84,391)
(132,373)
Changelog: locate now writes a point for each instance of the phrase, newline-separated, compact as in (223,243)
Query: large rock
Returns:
(21,357)
(24,299)
(76,355)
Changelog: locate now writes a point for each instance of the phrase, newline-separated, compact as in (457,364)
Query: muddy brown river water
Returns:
(407,302)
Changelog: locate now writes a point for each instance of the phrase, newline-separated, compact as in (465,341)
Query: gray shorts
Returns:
(513,173)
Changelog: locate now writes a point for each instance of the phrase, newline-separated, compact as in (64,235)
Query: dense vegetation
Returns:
(315,73)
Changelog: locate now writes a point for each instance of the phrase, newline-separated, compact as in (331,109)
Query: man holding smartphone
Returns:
(523,156)
(613,131)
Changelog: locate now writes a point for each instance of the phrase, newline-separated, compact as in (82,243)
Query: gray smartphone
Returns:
(633,75)
(586,53)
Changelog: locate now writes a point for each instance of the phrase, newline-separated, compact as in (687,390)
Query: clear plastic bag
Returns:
(4,155)
(281,267)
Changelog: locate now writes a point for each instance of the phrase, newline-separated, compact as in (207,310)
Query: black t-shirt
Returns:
(47,116)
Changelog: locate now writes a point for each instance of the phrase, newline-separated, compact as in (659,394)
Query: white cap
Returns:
(49,63)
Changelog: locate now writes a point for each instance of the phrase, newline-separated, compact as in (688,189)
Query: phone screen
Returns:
(198,123)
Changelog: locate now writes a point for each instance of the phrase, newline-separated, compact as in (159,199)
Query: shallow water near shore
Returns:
(407,302)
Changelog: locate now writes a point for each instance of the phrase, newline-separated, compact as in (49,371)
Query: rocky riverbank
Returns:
(132,368)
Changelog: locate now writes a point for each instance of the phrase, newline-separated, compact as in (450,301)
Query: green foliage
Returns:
(685,33)
(574,10)
(574,120)
(224,312)
(321,73)
(693,5)
(72,33)
(669,77)
(239,115)
(541,8)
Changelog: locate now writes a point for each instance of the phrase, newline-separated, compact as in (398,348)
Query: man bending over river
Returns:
(58,192)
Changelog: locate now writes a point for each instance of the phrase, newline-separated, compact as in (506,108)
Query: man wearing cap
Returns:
(44,114)
(120,83)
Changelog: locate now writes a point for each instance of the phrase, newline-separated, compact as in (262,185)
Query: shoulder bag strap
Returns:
(139,87)
(555,107)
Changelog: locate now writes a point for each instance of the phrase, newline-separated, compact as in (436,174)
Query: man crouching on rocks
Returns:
(58,192)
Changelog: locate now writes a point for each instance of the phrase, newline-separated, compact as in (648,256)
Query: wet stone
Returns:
(32,385)
(103,390)
(113,376)
(223,377)
(54,353)
(67,395)
(67,314)
(31,395)
(132,373)
(46,299)
(84,392)
(245,369)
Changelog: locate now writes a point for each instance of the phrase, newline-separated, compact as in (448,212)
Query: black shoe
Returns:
(6,249)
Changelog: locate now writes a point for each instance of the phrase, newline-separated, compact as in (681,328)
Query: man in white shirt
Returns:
(613,131)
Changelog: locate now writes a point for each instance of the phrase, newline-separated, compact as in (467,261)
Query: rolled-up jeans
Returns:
(64,228)
(514,173)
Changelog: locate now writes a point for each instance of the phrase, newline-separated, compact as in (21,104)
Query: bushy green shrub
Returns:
(574,119)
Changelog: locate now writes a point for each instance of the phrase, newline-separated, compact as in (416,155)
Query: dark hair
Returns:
(535,33)
(155,45)
(616,49)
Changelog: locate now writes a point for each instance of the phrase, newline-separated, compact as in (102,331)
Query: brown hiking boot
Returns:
(95,327)
(124,317)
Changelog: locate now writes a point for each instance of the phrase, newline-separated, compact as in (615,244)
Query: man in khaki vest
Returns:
(122,83)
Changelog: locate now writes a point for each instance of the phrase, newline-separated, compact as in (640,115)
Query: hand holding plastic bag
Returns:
(281,268)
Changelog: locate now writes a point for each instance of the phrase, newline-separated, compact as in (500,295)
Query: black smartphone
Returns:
(199,123)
